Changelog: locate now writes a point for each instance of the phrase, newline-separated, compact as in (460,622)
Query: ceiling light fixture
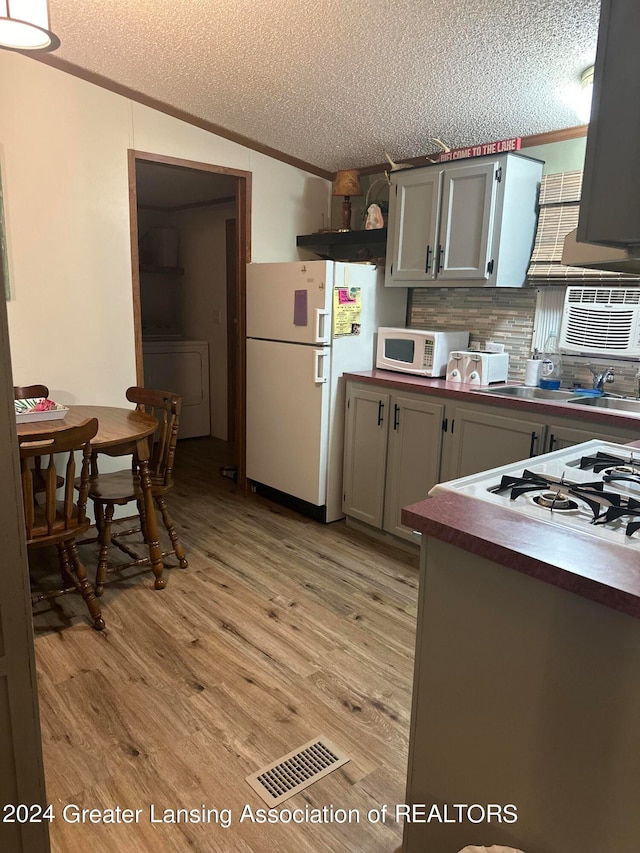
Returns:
(24,25)
(586,93)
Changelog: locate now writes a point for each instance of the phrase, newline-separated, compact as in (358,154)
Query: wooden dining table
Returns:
(120,432)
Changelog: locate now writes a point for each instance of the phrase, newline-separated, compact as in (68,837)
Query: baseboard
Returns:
(317,513)
(383,536)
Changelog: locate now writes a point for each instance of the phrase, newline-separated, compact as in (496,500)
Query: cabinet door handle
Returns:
(427,265)
(380,411)
(396,416)
(534,439)
(439,259)
(552,441)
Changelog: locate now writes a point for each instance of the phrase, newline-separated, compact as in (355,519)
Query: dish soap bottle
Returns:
(550,367)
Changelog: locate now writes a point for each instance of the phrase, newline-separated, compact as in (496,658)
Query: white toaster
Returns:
(478,368)
(456,366)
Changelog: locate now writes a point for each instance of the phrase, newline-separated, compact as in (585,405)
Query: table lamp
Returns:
(346,184)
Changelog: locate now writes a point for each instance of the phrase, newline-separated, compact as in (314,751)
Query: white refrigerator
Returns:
(308,323)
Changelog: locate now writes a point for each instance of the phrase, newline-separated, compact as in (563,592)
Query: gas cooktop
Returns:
(593,487)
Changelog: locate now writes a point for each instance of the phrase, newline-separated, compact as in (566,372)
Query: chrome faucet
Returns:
(600,377)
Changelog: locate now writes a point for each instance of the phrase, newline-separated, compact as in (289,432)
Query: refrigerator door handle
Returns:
(322,331)
(318,372)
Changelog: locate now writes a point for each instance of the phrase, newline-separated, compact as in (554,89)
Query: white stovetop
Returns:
(560,463)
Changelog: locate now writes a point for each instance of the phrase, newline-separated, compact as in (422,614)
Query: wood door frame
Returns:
(22,779)
(233,341)
(243,257)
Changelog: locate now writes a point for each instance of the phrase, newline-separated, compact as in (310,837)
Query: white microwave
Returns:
(418,351)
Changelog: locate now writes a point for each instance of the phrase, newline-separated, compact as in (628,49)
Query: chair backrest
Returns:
(51,518)
(30,392)
(165,406)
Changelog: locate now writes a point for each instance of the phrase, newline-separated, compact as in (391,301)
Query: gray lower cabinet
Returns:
(413,457)
(392,455)
(463,223)
(398,445)
(365,453)
(562,435)
(479,440)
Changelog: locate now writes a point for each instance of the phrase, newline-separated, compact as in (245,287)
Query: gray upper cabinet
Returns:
(414,236)
(467,223)
(466,226)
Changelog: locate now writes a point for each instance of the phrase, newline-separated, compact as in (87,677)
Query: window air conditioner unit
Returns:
(601,321)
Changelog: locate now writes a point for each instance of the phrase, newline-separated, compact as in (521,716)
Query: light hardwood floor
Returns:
(280,629)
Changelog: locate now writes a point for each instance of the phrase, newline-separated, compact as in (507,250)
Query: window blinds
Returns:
(559,209)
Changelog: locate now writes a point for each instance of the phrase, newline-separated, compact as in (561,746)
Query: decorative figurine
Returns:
(374,218)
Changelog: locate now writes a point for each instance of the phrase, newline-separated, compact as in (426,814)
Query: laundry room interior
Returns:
(186,240)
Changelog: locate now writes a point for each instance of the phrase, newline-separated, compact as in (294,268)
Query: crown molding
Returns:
(526,142)
(154,103)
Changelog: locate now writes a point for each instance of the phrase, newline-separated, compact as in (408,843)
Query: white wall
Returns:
(63,151)
(564,156)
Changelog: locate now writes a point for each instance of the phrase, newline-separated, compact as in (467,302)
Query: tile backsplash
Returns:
(575,373)
(504,315)
(508,316)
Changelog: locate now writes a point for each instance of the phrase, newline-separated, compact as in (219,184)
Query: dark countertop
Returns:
(474,394)
(593,568)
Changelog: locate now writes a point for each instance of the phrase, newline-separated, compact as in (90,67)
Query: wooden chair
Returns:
(31,392)
(122,487)
(60,522)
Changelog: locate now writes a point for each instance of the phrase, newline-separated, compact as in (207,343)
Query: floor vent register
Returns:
(294,772)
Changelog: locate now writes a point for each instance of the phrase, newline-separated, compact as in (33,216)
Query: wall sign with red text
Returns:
(501,147)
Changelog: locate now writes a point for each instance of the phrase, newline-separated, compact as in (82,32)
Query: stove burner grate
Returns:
(604,461)
(528,482)
(608,506)
(557,495)
(620,474)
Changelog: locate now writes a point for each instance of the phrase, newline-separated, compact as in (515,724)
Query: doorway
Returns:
(190,226)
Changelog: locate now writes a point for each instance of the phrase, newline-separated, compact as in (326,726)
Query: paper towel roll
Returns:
(532,372)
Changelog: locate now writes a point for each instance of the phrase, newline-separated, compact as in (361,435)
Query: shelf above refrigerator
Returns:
(333,243)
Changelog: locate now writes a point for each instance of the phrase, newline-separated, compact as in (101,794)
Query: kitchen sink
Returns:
(526,392)
(624,404)
(564,395)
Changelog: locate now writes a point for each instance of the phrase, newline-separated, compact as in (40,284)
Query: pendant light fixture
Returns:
(24,25)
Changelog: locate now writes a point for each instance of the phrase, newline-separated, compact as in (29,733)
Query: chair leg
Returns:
(173,536)
(105,541)
(86,590)
(143,520)
(99,511)
(65,565)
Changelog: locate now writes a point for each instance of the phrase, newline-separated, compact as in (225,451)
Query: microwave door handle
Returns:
(321,326)
(319,375)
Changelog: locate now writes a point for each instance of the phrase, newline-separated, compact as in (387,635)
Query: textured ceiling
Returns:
(336,83)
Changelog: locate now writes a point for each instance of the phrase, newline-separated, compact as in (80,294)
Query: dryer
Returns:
(183,367)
